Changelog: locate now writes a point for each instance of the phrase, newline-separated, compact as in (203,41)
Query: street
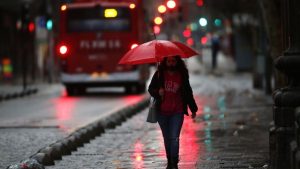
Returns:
(75,82)
(31,123)
(233,139)
(230,130)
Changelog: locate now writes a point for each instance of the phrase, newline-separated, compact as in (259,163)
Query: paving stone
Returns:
(23,142)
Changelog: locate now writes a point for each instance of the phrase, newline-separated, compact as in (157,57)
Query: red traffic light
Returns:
(187,33)
(31,27)
(190,41)
(171,4)
(203,40)
(200,3)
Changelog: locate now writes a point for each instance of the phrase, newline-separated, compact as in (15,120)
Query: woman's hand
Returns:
(161,91)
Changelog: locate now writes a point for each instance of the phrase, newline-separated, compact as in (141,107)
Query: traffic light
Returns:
(7,68)
(26,21)
(190,41)
(204,40)
(200,3)
(187,33)
(31,27)
(45,22)
(218,22)
(193,26)
(25,13)
(25,16)
(49,24)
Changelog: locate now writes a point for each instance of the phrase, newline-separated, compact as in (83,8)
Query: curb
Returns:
(47,155)
(14,95)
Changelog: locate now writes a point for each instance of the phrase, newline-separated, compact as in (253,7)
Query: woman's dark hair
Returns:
(180,66)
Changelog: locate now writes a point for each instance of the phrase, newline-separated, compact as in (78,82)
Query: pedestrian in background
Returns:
(215,47)
(171,88)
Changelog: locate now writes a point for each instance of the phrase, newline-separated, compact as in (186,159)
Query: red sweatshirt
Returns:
(172,101)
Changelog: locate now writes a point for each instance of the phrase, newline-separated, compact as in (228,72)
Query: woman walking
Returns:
(171,88)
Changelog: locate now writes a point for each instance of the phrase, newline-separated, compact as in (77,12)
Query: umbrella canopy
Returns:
(155,50)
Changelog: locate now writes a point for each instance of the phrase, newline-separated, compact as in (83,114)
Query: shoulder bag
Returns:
(152,113)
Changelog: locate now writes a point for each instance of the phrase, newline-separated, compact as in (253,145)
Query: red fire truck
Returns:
(93,36)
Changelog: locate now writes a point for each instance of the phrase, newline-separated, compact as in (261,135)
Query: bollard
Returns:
(283,137)
(99,128)
(27,164)
(57,151)
(48,151)
(84,135)
(71,143)
(272,146)
(78,139)
(65,148)
(284,116)
(296,158)
(91,131)
(297,125)
(43,158)
(286,100)
(293,150)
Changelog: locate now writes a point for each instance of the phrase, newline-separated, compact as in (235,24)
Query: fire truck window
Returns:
(93,19)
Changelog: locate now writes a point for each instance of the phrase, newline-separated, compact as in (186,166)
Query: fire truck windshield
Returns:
(97,19)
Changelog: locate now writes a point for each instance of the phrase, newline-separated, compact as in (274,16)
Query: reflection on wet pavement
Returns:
(64,109)
(221,136)
(138,155)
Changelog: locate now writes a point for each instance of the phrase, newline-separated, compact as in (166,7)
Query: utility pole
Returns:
(50,55)
(25,18)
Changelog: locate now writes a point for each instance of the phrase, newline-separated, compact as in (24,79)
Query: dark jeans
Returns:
(214,59)
(170,127)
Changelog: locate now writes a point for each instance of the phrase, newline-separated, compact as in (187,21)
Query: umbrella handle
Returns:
(157,67)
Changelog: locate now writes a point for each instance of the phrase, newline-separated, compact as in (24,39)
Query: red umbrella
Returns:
(155,50)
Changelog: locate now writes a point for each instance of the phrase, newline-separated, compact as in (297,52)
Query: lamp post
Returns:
(24,39)
(287,99)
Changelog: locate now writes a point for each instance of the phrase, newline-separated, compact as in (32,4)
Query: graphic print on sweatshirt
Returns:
(171,86)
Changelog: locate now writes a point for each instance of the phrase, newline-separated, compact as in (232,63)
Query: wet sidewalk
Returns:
(8,92)
(230,131)
(15,91)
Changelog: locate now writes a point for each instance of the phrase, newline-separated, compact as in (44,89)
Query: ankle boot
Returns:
(174,163)
(169,166)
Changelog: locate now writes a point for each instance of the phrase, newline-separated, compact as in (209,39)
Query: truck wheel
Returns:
(135,89)
(141,88)
(129,89)
(70,91)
